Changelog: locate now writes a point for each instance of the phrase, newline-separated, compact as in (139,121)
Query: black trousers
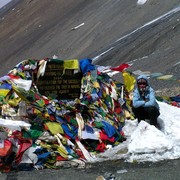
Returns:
(142,113)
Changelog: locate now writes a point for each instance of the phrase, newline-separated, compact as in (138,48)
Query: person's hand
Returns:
(147,99)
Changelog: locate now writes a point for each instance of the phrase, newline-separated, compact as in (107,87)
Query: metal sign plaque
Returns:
(59,83)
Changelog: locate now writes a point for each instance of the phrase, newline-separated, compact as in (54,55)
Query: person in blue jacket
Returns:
(144,104)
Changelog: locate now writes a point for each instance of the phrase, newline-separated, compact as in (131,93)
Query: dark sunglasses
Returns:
(141,83)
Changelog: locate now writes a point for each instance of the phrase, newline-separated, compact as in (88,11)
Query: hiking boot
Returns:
(158,126)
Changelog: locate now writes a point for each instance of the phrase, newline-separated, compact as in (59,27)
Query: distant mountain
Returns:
(78,29)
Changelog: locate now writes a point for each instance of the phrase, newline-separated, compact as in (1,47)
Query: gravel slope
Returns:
(39,29)
(42,28)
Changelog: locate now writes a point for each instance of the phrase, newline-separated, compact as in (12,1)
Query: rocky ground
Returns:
(38,29)
(109,170)
(147,35)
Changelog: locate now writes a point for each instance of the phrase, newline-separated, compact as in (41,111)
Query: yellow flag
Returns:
(71,64)
(129,81)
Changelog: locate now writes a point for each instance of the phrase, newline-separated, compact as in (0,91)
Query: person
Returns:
(144,104)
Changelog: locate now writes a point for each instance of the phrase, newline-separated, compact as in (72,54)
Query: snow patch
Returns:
(141,2)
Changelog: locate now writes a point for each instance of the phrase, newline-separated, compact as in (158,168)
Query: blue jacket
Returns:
(149,94)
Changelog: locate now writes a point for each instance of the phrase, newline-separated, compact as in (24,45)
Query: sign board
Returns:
(59,83)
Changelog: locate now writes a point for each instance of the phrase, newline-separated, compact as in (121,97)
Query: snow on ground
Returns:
(141,2)
(4,2)
(147,143)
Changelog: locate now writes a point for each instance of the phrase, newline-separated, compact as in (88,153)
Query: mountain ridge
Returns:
(39,29)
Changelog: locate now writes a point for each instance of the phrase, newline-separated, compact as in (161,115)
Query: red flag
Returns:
(120,68)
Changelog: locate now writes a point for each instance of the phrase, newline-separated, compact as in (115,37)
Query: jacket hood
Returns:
(142,77)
